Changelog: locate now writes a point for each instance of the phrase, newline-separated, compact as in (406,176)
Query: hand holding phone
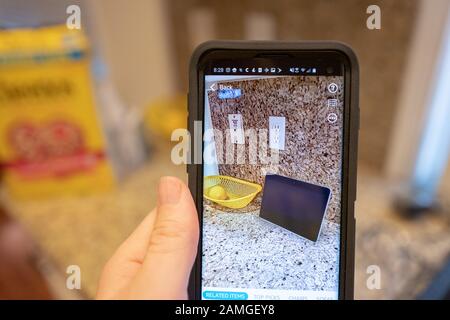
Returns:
(276,190)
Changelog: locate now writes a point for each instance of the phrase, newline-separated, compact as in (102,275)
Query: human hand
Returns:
(156,259)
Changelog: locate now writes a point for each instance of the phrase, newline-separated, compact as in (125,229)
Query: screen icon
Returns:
(332,117)
(227,70)
(260,70)
(333,88)
(213,87)
(273,70)
(332,103)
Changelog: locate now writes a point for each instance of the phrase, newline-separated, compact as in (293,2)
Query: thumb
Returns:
(173,243)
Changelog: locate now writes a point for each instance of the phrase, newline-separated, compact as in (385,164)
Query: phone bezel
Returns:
(244,49)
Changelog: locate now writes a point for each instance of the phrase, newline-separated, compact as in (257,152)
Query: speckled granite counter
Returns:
(408,252)
(86,231)
(245,251)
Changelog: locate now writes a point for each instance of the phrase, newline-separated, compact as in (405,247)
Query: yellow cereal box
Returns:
(51,141)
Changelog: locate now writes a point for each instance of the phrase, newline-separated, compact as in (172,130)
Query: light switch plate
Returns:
(236,128)
(277,132)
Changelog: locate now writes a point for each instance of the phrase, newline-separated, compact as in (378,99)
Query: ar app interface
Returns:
(272,182)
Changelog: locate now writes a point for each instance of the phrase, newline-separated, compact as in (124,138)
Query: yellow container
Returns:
(240,192)
(51,140)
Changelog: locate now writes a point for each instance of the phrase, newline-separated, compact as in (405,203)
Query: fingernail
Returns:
(169,190)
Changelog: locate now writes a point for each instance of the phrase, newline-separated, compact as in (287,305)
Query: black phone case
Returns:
(351,129)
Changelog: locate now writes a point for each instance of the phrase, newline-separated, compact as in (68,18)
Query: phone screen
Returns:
(272,179)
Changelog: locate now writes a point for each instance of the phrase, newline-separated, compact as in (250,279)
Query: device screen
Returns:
(272,173)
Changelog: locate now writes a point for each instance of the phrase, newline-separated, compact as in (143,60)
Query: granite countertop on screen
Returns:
(242,250)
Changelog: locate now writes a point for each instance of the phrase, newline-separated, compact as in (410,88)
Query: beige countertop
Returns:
(85,231)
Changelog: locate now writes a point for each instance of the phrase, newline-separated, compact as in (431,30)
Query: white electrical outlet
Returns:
(277,131)
(236,128)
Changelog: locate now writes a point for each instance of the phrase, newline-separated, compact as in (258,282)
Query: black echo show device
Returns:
(295,205)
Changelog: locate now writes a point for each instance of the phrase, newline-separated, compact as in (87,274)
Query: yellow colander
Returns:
(240,192)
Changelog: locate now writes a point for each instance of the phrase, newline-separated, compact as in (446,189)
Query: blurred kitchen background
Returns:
(77,180)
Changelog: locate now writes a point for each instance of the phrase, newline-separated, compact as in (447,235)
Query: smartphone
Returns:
(274,129)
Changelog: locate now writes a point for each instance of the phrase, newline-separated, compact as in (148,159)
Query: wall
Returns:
(381,53)
(135,42)
(312,144)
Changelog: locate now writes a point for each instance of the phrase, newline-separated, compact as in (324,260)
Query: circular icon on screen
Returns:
(332,117)
(333,88)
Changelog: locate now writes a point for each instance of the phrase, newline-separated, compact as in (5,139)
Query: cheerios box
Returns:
(51,141)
